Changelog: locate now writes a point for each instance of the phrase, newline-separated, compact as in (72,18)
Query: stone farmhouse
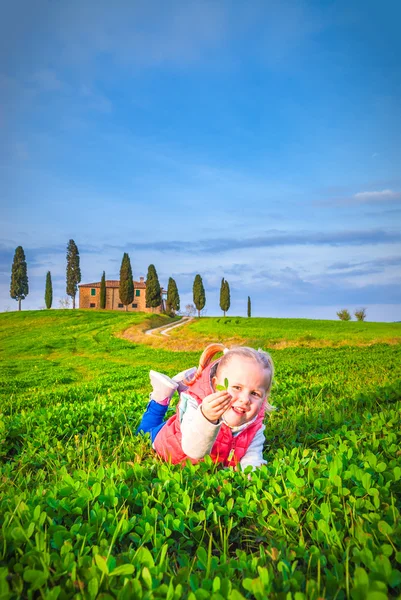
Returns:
(89,296)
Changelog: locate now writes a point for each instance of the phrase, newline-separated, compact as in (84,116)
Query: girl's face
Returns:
(248,385)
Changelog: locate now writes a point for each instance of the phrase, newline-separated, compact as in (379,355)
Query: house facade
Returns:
(89,296)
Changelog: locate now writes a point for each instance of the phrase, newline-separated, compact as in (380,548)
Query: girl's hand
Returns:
(214,405)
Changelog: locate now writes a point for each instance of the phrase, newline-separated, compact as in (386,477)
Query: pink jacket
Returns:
(227,449)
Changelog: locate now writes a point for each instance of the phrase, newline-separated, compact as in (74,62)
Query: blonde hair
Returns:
(261,357)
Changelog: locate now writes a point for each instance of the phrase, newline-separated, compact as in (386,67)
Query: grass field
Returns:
(87,510)
(281,333)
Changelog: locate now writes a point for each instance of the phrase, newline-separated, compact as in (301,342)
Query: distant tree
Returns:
(49,290)
(199,295)
(173,298)
(249,306)
(224,296)
(102,299)
(19,288)
(73,270)
(190,310)
(153,290)
(64,302)
(360,314)
(126,290)
(344,315)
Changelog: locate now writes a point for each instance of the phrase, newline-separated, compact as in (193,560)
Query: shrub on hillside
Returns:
(360,314)
(344,315)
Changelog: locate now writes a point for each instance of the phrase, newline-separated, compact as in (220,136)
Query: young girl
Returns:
(225,422)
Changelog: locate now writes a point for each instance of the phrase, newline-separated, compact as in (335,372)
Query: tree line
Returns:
(19,287)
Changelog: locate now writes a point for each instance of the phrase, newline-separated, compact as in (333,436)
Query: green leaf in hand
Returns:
(222,388)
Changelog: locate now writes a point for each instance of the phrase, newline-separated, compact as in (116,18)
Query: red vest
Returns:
(226,449)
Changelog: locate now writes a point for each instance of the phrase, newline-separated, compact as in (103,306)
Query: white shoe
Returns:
(187,374)
(163,387)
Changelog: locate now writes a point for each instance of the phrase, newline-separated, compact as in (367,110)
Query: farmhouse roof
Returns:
(113,283)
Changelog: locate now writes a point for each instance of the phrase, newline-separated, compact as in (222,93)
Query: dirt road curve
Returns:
(165,328)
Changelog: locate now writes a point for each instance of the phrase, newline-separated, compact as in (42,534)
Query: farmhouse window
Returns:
(134,306)
(92,305)
(93,291)
(120,305)
(137,292)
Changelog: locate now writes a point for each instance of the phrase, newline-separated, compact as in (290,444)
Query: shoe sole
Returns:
(163,379)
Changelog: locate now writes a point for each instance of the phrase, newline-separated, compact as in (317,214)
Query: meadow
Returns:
(280,333)
(88,511)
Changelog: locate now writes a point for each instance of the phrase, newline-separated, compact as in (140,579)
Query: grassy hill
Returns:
(280,333)
(59,349)
(87,510)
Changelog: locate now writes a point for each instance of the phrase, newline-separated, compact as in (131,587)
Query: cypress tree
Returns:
(199,294)
(224,296)
(173,298)
(126,290)
(102,300)
(153,290)
(73,270)
(48,290)
(249,306)
(19,288)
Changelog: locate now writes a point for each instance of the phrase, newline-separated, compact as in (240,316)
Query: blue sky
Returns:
(257,141)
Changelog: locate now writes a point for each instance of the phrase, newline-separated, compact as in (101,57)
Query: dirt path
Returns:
(158,337)
(165,328)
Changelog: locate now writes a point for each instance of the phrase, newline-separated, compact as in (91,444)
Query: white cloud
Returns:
(377,196)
